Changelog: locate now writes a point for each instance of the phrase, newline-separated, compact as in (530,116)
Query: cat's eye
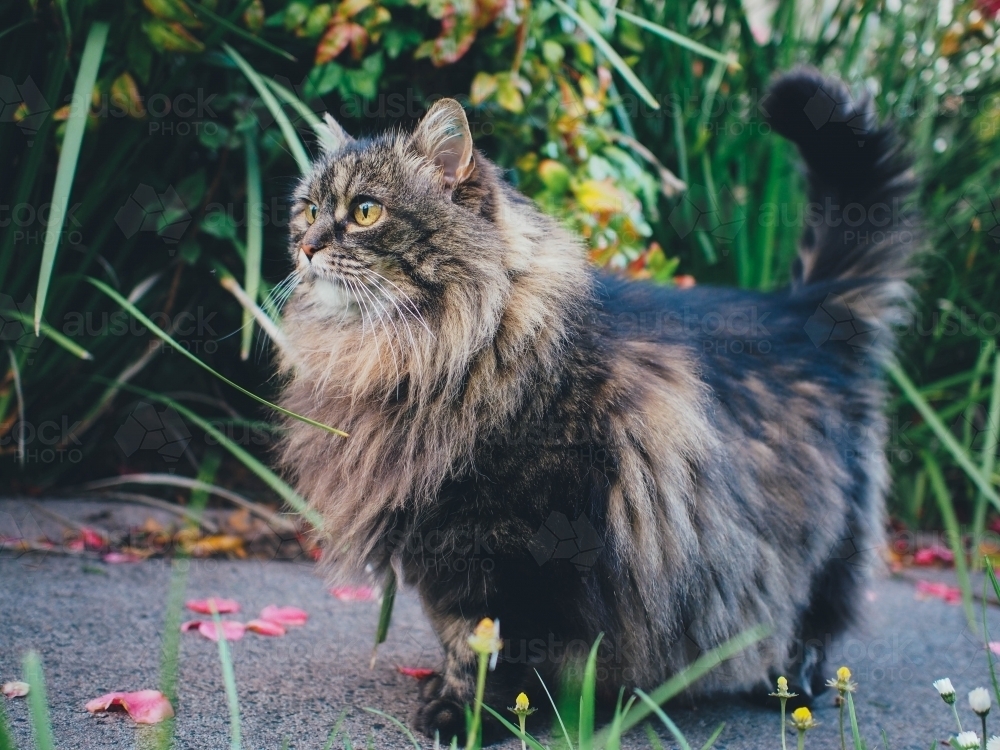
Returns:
(367,213)
(312,211)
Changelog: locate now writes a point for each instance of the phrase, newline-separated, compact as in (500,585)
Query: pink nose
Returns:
(309,250)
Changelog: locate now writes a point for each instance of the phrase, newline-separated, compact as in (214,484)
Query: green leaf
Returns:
(163,336)
(49,332)
(698,669)
(613,57)
(667,721)
(385,612)
(943,433)
(243,33)
(229,682)
(954,534)
(68,157)
(255,239)
(291,137)
(38,705)
(588,698)
(272,480)
(678,39)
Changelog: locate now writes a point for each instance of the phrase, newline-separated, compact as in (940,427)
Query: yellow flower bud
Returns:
(843,674)
(783,684)
(802,719)
(521,704)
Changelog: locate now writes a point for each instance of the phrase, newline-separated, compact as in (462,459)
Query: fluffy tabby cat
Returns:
(537,441)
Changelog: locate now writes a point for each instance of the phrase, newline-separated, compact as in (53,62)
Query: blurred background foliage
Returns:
(636,122)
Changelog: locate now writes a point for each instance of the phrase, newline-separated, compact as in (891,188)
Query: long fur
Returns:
(536,441)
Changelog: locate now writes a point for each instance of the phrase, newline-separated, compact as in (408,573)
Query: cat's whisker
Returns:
(389,339)
(409,302)
(392,300)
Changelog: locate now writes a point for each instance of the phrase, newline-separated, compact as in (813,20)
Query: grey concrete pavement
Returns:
(101,631)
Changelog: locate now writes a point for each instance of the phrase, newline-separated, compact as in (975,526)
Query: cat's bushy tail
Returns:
(860,228)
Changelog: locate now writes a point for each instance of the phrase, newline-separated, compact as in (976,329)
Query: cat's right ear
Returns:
(332,137)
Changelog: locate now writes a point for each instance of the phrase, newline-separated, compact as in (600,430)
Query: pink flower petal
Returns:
(204,606)
(419,673)
(933,554)
(284,615)
(190,625)
(15,689)
(116,558)
(950,594)
(353,593)
(265,627)
(995,647)
(231,631)
(92,538)
(144,706)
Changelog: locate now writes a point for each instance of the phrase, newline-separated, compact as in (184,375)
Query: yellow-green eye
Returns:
(366,213)
(312,211)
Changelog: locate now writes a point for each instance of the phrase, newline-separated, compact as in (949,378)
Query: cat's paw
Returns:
(442,716)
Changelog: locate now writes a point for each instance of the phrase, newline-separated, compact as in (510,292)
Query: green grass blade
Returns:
(51,333)
(243,33)
(335,731)
(38,705)
(229,681)
(66,170)
(654,740)
(321,130)
(402,727)
(272,480)
(859,744)
(713,738)
(954,534)
(6,740)
(523,736)
(385,612)
(609,52)
(679,39)
(942,432)
(291,137)
(255,239)
(991,576)
(588,698)
(19,393)
(698,669)
(614,733)
(162,335)
(562,724)
(988,455)
(667,722)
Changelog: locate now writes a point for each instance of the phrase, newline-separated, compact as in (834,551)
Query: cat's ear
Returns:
(335,137)
(443,136)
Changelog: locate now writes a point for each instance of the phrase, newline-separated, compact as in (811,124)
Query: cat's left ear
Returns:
(443,136)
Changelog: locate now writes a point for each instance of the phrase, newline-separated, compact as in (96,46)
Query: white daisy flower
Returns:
(979,701)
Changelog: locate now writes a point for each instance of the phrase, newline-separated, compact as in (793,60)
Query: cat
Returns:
(534,440)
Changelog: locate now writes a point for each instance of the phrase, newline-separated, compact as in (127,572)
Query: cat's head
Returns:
(399,223)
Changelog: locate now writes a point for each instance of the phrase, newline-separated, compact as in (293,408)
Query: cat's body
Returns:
(574,454)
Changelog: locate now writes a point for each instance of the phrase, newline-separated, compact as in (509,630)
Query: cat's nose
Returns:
(309,250)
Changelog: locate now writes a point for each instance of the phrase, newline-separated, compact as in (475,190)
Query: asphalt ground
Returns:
(98,628)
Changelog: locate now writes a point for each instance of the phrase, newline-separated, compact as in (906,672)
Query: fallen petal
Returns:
(419,673)
(284,615)
(995,647)
(190,625)
(231,631)
(265,627)
(92,538)
(15,689)
(144,706)
(353,593)
(117,558)
(950,594)
(204,606)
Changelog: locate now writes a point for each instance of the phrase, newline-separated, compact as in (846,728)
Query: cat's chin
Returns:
(333,297)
